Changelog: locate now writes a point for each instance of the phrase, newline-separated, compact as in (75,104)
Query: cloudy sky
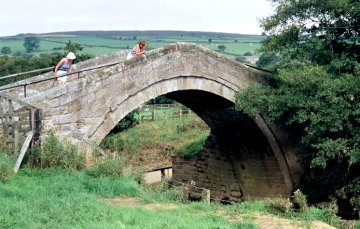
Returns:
(41,16)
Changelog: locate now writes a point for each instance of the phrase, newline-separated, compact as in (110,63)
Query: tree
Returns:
(6,50)
(73,47)
(221,48)
(241,59)
(31,44)
(314,50)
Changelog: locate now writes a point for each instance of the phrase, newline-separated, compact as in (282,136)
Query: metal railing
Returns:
(26,84)
(24,73)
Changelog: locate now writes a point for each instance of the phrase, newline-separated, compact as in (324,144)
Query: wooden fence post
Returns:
(23,151)
(153,114)
(16,140)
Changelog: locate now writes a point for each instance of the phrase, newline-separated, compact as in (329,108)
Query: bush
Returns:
(54,153)
(6,161)
(127,122)
(299,201)
(279,205)
(114,142)
(112,168)
(6,168)
(5,149)
(247,54)
(240,59)
(164,193)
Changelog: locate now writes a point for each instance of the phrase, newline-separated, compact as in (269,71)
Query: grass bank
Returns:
(57,198)
(151,143)
(60,199)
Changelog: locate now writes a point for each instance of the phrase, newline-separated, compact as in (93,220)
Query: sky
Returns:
(43,16)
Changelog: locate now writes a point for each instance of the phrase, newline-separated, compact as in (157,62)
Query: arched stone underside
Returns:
(262,161)
(239,159)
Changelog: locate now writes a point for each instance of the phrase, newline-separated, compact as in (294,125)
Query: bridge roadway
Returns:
(244,157)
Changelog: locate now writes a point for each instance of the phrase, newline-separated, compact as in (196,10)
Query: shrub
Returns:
(4,147)
(112,168)
(71,157)
(54,153)
(240,59)
(113,142)
(51,150)
(6,168)
(299,201)
(279,205)
(127,122)
(6,162)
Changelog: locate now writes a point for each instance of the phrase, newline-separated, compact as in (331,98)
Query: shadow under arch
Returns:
(238,160)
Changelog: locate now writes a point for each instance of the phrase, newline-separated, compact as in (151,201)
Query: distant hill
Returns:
(138,33)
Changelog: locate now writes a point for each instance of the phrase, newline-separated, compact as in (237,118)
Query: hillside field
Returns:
(104,42)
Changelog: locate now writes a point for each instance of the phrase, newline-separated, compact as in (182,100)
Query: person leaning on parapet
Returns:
(63,67)
(137,50)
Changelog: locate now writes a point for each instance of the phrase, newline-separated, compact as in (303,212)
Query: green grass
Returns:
(60,199)
(168,131)
(6,167)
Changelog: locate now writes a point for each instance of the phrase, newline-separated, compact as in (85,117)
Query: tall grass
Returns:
(7,160)
(61,199)
(6,167)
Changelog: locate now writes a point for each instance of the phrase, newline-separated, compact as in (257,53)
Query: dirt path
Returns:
(262,221)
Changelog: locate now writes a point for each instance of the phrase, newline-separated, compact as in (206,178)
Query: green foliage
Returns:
(5,148)
(73,47)
(75,200)
(54,153)
(7,160)
(163,135)
(299,201)
(16,64)
(267,61)
(247,54)
(113,143)
(192,148)
(221,48)
(240,59)
(334,32)
(6,167)
(6,50)
(279,205)
(160,100)
(163,193)
(130,120)
(31,44)
(107,168)
(315,90)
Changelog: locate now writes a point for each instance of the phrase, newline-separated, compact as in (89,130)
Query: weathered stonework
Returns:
(90,107)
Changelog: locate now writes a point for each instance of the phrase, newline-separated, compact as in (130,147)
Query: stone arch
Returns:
(173,84)
(91,106)
(277,177)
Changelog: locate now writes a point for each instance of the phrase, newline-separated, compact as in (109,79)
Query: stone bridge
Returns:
(243,156)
